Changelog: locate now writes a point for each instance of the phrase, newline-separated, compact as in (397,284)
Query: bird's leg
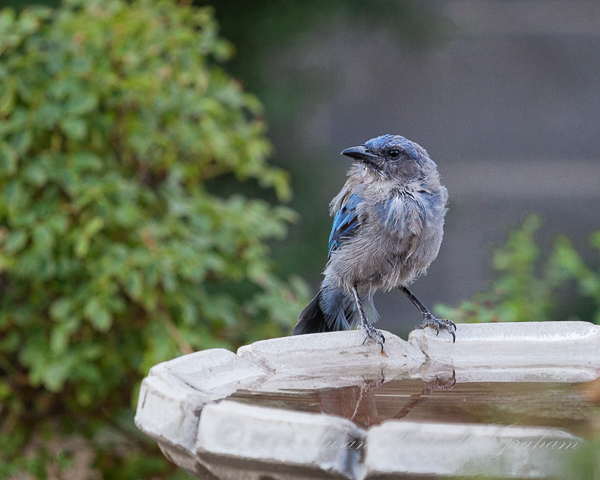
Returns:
(371,331)
(429,320)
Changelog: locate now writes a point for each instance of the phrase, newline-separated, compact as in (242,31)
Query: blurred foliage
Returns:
(525,290)
(114,254)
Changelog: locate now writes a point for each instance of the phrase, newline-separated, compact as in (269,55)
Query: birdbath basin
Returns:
(512,400)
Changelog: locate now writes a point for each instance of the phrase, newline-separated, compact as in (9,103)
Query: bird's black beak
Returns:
(360,154)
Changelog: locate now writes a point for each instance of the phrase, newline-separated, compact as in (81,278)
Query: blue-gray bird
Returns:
(387,229)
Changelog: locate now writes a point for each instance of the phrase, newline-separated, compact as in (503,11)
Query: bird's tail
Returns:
(332,310)
(312,319)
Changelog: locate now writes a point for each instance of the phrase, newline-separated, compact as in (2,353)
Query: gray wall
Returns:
(509,108)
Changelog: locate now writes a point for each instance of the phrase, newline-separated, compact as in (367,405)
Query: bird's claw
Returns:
(439,384)
(439,323)
(373,334)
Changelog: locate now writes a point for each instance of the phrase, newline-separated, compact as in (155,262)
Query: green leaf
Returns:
(82,246)
(61,309)
(8,158)
(85,161)
(36,175)
(43,238)
(21,142)
(82,103)
(93,226)
(98,316)
(59,339)
(49,115)
(101,320)
(15,242)
(7,96)
(133,285)
(55,375)
(74,128)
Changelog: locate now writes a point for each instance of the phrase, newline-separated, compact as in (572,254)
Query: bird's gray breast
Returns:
(397,238)
(408,228)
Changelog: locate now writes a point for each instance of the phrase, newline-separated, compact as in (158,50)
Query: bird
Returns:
(388,224)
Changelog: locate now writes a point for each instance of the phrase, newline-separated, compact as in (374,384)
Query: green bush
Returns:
(114,253)
(527,289)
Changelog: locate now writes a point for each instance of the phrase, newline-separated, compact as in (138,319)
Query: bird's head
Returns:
(392,157)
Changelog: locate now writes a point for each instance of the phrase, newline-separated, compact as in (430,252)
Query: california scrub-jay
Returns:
(387,229)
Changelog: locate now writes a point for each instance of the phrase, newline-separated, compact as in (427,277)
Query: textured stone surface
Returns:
(527,344)
(211,370)
(470,450)
(334,350)
(521,375)
(324,379)
(168,411)
(181,404)
(173,394)
(315,442)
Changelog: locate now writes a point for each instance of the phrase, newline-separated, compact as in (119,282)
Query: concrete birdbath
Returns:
(507,400)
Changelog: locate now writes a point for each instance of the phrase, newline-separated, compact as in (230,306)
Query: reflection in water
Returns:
(443,399)
(359,403)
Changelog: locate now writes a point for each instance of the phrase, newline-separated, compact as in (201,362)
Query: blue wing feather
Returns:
(345,222)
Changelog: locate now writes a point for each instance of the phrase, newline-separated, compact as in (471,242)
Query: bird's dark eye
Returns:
(394,153)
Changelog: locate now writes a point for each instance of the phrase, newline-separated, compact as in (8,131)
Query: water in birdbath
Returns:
(520,429)
(567,406)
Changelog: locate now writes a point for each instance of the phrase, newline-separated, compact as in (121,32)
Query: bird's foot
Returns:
(443,383)
(439,324)
(373,334)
